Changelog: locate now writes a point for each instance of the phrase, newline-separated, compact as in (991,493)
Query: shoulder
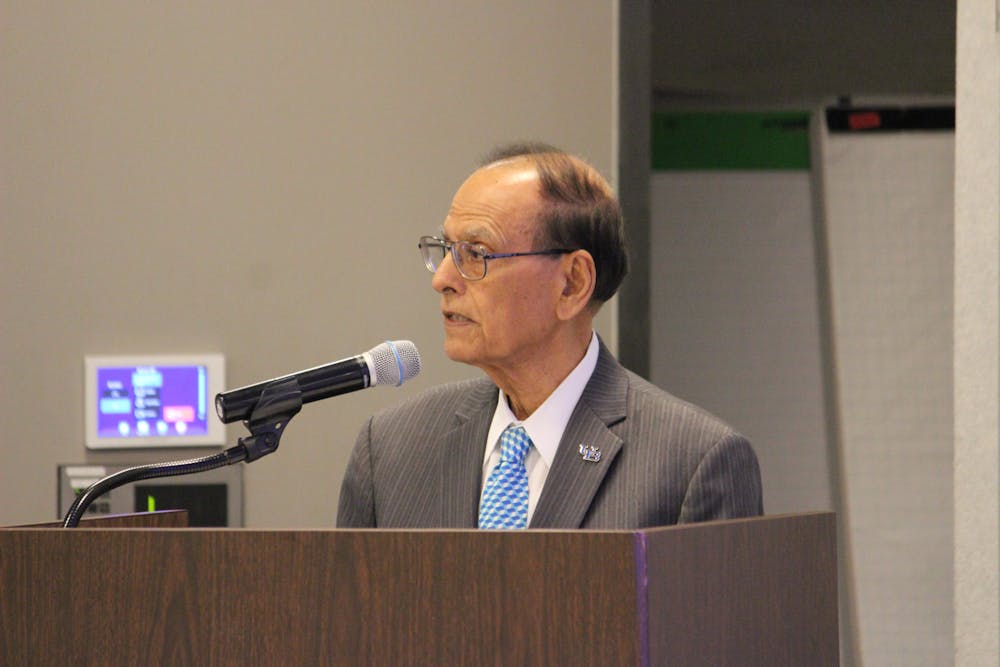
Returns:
(439,403)
(696,439)
(647,398)
(616,394)
(656,417)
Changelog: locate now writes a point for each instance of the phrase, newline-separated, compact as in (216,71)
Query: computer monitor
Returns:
(136,402)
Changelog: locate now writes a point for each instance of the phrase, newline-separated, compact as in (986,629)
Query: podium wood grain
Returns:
(369,597)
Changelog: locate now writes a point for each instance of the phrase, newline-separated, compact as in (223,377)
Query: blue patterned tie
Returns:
(505,498)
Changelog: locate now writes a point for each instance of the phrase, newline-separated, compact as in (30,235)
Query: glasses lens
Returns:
(469,258)
(432,250)
(471,262)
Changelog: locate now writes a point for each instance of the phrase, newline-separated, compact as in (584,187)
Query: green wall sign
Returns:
(719,141)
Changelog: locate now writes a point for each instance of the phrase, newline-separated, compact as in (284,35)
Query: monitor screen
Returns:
(154,401)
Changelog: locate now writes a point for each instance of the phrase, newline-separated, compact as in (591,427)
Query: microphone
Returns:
(391,363)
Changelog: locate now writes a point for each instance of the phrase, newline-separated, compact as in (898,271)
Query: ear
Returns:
(579,278)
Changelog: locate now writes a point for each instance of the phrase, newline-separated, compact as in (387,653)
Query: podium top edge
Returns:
(533,531)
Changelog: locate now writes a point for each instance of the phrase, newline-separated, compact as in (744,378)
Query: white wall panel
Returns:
(889,233)
(735,317)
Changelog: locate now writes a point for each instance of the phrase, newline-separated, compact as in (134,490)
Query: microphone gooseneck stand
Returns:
(279,402)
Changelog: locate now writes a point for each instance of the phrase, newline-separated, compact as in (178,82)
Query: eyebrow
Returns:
(478,235)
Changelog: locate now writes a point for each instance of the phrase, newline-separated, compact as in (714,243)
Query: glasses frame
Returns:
(453,247)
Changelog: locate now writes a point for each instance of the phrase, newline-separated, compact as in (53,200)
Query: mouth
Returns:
(452,317)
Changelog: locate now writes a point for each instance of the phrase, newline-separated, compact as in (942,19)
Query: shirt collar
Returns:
(546,425)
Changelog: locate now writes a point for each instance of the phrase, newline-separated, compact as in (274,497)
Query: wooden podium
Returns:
(747,592)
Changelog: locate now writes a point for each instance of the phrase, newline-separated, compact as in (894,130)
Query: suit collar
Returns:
(606,393)
(462,456)
(573,481)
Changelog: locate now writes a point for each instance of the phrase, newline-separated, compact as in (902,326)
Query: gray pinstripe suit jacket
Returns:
(663,461)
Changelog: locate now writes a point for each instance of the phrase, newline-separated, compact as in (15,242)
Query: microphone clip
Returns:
(279,402)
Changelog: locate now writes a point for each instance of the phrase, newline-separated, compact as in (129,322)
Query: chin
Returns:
(456,351)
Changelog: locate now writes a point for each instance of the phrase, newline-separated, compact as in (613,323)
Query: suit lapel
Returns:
(462,451)
(573,482)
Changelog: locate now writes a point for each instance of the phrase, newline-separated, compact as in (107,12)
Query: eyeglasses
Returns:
(470,259)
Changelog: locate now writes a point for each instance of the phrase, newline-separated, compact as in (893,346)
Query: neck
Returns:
(529,384)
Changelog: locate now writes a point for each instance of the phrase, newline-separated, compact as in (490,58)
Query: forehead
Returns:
(498,203)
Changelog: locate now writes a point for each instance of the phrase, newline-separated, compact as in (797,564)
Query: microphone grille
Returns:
(393,362)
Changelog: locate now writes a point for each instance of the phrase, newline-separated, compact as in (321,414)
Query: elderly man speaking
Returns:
(558,434)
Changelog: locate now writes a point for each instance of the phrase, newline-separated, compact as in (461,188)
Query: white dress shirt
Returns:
(545,426)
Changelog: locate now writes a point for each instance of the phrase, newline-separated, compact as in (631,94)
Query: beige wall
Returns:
(251,179)
(977,337)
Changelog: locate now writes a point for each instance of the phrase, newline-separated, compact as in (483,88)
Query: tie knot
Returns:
(514,444)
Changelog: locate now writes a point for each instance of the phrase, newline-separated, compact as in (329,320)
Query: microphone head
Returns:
(392,363)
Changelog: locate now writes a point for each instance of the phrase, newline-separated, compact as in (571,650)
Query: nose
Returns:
(447,277)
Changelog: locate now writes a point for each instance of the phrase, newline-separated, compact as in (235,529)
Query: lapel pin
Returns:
(590,453)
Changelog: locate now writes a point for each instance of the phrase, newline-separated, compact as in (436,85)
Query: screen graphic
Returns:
(152,401)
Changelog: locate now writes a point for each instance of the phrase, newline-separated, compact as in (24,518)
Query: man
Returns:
(558,434)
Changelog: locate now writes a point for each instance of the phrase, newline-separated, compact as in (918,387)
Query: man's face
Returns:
(508,318)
